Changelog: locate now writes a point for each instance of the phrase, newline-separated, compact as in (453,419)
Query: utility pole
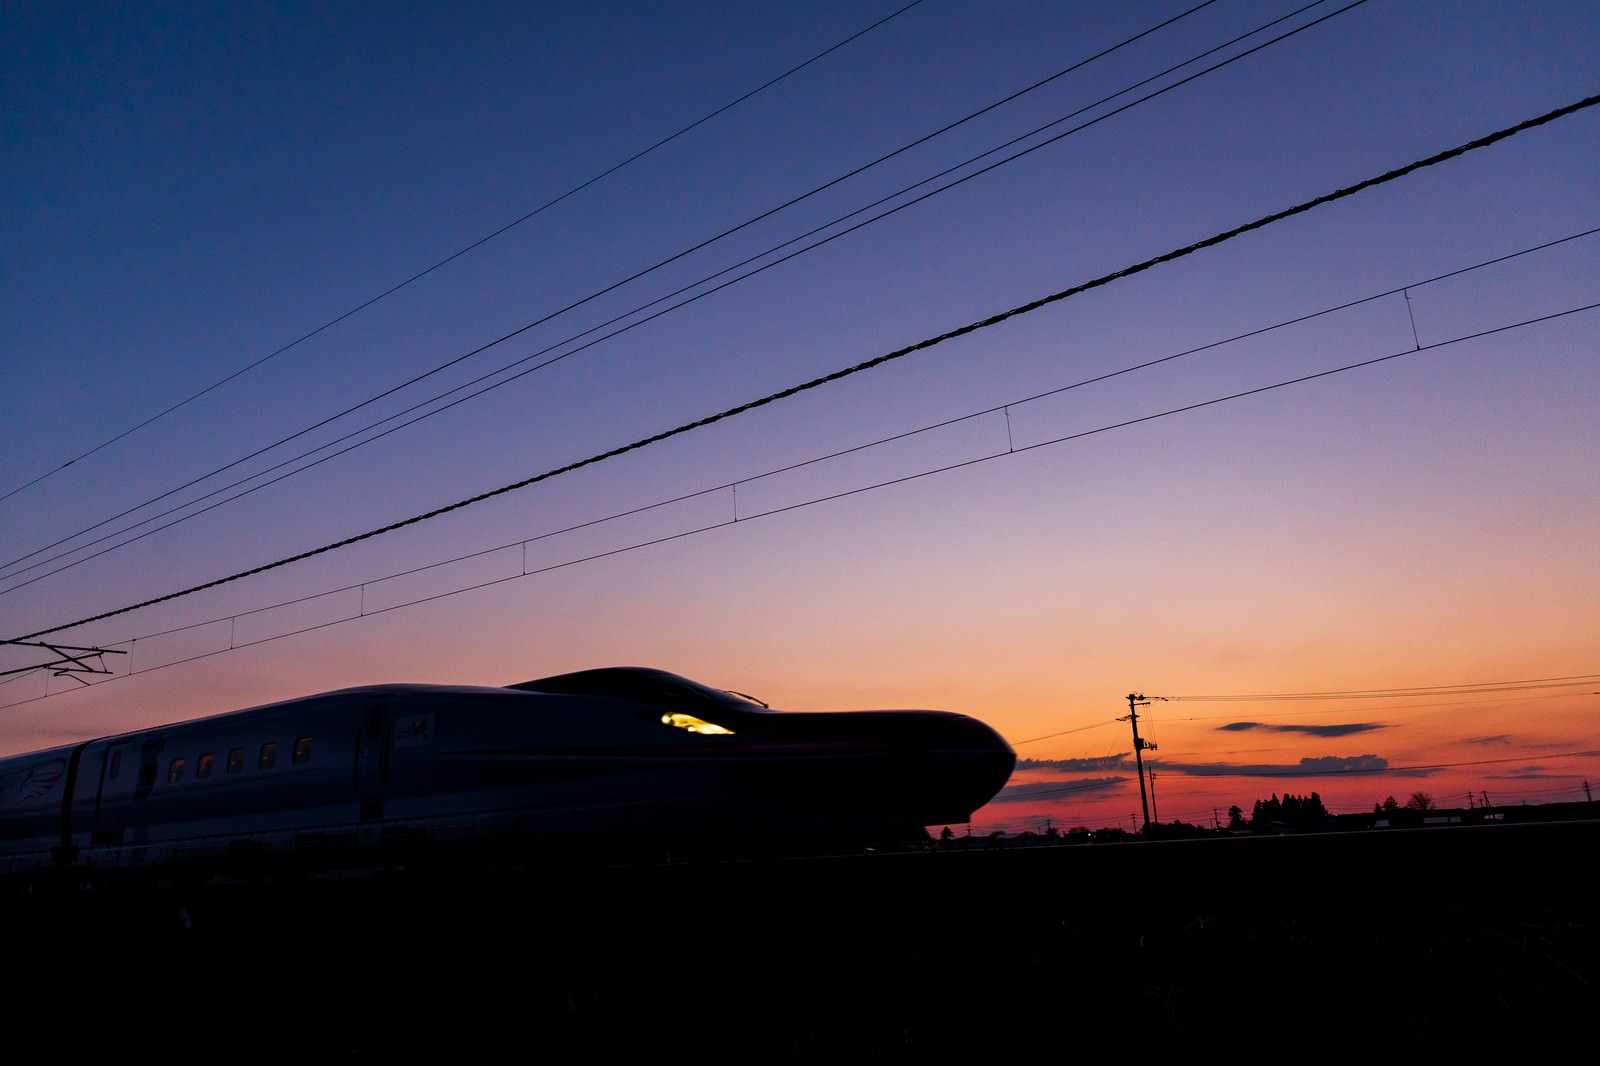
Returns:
(1135,701)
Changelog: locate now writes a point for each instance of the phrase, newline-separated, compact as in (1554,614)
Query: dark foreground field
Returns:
(1329,947)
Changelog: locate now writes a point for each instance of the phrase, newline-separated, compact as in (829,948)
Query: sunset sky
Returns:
(204,204)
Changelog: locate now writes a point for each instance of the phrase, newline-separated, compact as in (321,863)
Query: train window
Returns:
(116,764)
(175,771)
(689,723)
(269,755)
(235,760)
(302,750)
(204,766)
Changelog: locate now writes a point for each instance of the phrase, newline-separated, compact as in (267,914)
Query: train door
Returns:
(372,757)
(120,774)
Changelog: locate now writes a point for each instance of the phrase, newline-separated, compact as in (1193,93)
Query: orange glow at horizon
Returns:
(1464,751)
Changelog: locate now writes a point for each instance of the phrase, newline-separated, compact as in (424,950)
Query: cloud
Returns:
(1099,764)
(1311,766)
(1309,730)
(1319,766)
(1534,773)
(1052,790)
(1498,741)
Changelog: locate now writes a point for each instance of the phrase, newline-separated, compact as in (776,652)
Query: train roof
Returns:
(636,683)
(641,684)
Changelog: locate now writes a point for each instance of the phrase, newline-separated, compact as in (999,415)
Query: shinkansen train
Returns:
(617,755)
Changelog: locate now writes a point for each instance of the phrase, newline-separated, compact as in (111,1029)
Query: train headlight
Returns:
(691,724)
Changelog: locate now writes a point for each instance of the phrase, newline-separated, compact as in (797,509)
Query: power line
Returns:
(1259,717)
(458,254)
(576,304)
(639,309)
(972,415)
(923,345)
(1570,681)
(731,521)
(1378,771)
(1065,732)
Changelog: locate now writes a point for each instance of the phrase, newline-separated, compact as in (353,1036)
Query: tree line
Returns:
(1308,812)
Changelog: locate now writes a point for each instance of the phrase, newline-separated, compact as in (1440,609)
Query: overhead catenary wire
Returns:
(464,251)
(478,350)
(423,406)
(608,553)
(984,323)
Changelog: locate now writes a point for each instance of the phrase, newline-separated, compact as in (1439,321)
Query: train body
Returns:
(616,754)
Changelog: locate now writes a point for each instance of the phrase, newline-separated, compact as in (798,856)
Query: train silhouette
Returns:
(620,760)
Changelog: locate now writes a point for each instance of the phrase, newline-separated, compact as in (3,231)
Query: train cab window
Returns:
(203,768)
(175,771)
(269,755)
(116,765)
(302,750)
(690,724)
(235,760)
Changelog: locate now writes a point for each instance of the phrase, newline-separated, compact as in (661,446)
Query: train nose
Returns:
(879,767)
(942,765)
(960,732)
(978,759)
